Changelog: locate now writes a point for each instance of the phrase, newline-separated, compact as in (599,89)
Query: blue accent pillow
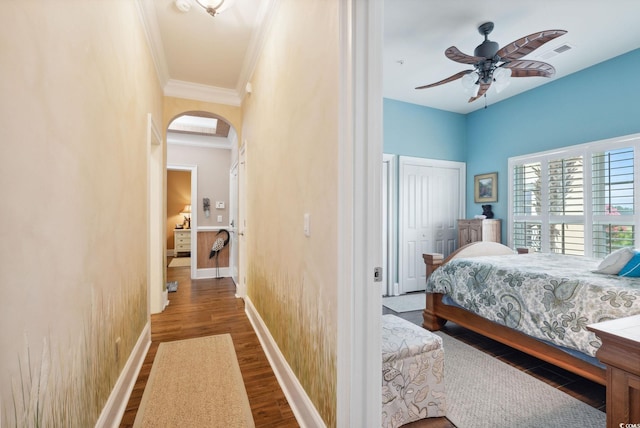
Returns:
(632,268)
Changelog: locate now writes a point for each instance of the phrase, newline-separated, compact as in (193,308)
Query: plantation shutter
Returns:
(527,206)
(613,200)
(566,205)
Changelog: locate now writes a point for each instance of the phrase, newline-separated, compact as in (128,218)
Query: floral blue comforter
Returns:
(551,297)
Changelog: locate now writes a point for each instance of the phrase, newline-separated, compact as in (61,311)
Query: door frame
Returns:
(193,169)
(389,224)
(359,375)
(156,235)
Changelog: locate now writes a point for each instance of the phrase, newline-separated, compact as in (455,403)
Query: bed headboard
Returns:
(481,248)
(475,249)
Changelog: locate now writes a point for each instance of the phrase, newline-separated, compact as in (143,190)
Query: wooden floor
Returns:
(206,307)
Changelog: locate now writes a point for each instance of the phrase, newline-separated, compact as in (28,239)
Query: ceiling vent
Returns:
(556,51)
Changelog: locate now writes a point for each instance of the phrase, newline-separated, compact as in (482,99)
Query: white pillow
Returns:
(614,262)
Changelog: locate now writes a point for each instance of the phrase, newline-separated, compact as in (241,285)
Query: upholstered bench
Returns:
(412,373)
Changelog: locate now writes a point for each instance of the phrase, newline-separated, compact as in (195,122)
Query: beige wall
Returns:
(213,179)
(77,84)
(290,128)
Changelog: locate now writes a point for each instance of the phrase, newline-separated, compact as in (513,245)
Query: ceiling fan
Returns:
(494,64)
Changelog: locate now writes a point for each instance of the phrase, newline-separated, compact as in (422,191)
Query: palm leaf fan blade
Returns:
(530,68)
(484,87)
(454,54)
(447,80)
(527,44)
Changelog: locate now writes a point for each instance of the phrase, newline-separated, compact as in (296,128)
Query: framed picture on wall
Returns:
(486,187)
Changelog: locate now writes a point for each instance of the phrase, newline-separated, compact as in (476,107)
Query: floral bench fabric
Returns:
(412,373)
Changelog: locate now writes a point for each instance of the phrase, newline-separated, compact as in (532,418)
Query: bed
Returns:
(537,303)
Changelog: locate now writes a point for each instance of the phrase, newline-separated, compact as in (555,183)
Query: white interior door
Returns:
(233,222)
(241,285)
(431,201)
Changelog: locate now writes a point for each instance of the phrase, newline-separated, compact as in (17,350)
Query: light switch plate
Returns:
(220,205)
(307,224)
(219,219)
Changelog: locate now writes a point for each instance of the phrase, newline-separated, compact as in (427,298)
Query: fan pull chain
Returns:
(485,100)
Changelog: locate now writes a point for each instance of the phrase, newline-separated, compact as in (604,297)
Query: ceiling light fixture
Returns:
(183,5)
(214,7)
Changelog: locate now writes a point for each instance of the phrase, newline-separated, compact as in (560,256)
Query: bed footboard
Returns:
(431,321)
(437,313)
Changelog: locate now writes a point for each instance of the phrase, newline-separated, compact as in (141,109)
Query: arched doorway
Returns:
(206,145)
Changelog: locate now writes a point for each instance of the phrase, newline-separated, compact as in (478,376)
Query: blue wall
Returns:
(413,130)
(602,101)
(599,102)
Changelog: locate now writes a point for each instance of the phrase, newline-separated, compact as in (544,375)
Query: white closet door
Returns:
(431,201)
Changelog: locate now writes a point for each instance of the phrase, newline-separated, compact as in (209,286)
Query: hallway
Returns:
(208,307)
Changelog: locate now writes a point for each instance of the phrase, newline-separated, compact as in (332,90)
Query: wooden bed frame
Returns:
(436,314)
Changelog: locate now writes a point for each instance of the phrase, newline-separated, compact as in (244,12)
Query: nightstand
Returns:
(182,241)
(620,352)
(474,230)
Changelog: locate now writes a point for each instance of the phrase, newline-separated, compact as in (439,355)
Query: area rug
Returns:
(195,383)
(485,392)
(180,262)
(405,303)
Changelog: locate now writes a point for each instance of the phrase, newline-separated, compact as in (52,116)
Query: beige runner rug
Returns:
(195,383)
(180,262)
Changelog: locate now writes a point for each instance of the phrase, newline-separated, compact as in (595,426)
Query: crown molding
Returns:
(199,92)
(147,14)
(264,20)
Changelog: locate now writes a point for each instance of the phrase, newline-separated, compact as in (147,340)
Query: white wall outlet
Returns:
(219,219)
(307,224)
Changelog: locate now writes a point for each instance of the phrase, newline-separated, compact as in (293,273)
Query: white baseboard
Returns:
(302,406)
(212,272)
(165,299)
(114,409)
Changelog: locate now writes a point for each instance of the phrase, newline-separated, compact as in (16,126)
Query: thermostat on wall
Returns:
(219,205)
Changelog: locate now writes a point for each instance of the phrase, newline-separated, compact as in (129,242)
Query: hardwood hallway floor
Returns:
(207,307)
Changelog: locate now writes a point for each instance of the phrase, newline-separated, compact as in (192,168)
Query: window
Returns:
(579,200)
(613,200)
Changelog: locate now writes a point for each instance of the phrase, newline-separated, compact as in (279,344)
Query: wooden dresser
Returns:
(474,230)
(181,241)
(620,352)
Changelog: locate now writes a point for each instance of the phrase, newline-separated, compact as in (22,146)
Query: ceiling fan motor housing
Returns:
(486,49)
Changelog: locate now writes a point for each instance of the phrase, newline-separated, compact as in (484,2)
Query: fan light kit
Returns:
(497,65)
